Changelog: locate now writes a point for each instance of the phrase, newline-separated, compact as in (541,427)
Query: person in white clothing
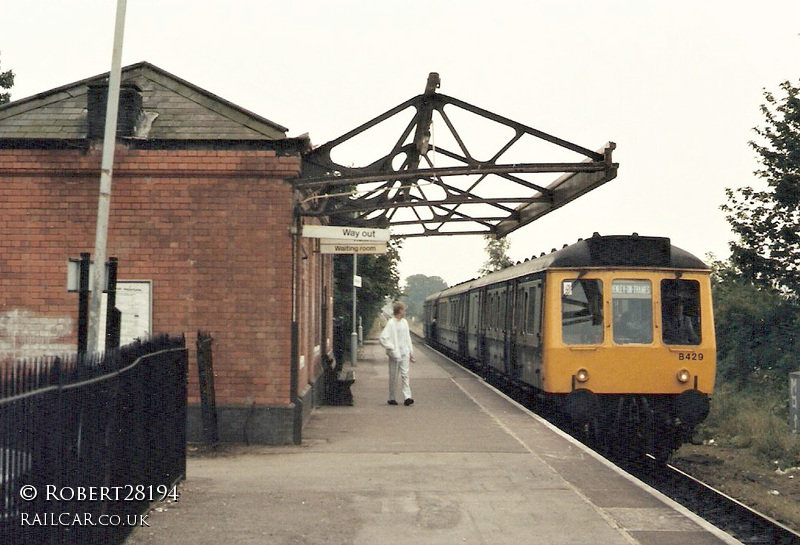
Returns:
(396,339)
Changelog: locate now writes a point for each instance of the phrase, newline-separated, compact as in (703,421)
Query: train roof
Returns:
(617,251)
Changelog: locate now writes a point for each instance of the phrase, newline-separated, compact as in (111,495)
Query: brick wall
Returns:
(315,286)
(209,228)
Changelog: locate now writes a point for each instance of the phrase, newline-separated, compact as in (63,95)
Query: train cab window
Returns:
(680,311)
(632,303)
(582,311)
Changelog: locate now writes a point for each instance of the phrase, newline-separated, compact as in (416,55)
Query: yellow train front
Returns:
(616,332)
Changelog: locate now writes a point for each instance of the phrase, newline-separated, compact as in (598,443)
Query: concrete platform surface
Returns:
(462,465)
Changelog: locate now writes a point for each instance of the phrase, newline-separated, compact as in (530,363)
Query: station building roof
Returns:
(166,108)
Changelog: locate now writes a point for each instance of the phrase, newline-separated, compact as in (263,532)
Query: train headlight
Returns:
(684,375)
(582,375)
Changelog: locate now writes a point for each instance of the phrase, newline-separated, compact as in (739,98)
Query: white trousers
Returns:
(399,366)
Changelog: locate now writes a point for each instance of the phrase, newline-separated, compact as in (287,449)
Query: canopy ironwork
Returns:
(454,169)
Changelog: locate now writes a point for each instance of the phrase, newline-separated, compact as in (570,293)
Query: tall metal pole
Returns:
(83,304)
(354,335)
(104,200)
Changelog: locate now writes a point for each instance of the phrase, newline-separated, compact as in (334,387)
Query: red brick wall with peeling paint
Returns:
(209,228)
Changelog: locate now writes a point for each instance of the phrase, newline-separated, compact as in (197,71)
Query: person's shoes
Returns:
(392,402)
(408,402)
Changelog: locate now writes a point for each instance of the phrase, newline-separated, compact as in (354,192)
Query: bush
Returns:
(755,419)
(757,341)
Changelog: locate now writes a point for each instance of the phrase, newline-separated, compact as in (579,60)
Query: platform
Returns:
(462,465)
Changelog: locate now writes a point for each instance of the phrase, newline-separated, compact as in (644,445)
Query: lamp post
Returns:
(106,168)
(354,335)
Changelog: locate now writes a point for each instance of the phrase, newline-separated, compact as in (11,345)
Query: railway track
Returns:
(723,511)
(726,513)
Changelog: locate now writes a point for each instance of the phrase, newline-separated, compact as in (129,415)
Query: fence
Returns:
(86,445)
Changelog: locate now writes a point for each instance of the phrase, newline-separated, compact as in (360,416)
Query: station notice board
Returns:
(135,302)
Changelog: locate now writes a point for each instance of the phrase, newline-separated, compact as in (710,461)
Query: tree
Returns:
(418,288)
(380,279)
(6,82)
(498,258)
(767,251)
(756,330)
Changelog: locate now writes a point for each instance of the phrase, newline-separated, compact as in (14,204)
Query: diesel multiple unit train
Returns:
(615,332)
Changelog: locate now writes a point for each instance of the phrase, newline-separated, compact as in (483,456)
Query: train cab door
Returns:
(516,297)
(535,320)
(529,331)
(485,326)
(507,312)
(434,321)
(473,325)
(461,323)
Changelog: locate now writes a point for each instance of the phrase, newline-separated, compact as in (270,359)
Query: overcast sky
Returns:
(677,85)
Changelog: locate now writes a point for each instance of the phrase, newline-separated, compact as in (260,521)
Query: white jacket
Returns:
(396,338)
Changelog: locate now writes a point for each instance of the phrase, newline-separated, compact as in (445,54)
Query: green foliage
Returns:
(380,279)
(757,296)
(757,330)
(767,251)
(418,288)
(754,419)
(6,82)
(498,259)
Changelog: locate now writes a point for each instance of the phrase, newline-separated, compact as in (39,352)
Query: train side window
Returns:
(582,311)
(535,310)
(530,320)
(497,311)
(522,310)
(680,311)
(501,318)
(474,307)
(632,303)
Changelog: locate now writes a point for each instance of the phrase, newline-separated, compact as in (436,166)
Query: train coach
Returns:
(615,332)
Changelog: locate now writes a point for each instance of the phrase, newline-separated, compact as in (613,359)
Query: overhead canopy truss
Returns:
(432,181)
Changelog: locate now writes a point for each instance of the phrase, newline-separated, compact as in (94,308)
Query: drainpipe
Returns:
(295,356)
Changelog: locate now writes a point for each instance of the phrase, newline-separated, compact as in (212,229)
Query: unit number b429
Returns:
(694,356)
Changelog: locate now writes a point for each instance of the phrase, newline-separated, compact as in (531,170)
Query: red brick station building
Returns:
(202,221)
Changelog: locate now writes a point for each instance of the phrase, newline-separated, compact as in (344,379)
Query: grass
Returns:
(753,419)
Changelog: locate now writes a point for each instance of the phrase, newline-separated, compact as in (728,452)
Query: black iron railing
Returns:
(86,445)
